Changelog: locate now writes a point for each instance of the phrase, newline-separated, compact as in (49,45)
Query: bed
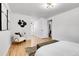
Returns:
(61,48)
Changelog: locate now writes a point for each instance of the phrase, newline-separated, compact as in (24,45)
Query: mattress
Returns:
(61,48)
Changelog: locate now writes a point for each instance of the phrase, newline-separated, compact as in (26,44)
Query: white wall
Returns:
(5,42)
(66,26)
(14,26)
(35,26)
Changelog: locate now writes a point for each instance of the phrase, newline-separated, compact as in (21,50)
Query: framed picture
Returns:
(4,18)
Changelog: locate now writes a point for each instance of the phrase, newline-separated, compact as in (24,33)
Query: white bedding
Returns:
(61,48)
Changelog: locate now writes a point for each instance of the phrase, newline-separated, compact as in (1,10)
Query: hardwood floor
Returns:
(19,49)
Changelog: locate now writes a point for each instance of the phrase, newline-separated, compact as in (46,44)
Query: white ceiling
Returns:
(36,9)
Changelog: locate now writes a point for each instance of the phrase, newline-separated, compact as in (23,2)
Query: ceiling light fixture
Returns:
(49,5)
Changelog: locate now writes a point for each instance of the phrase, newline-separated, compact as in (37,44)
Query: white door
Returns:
(41,28)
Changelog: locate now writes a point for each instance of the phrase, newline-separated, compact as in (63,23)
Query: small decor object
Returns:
(22,23)
(18,34)
(18,38)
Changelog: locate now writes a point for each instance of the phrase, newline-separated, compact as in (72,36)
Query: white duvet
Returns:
(61,48)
